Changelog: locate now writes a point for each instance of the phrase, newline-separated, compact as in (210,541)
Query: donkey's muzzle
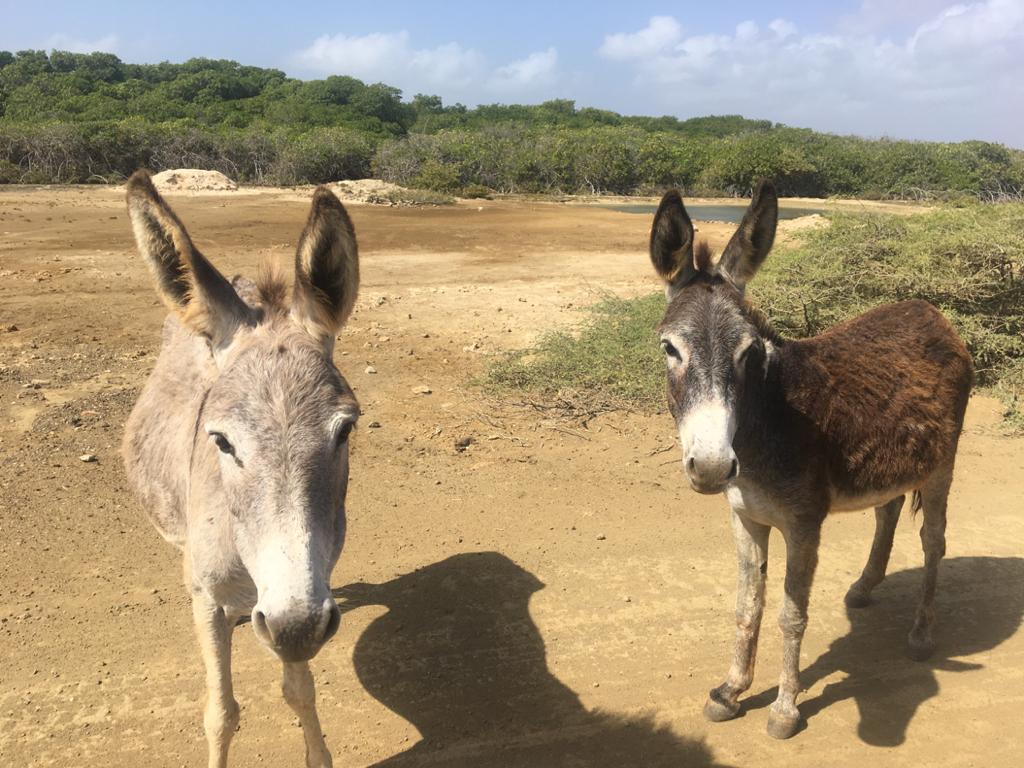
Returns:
(297,635)
(711,475)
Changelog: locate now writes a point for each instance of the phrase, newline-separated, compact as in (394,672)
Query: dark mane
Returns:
(702,256)
(762,323)
(273,288)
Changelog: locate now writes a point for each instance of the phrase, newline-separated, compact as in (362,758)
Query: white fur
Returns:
(706,434)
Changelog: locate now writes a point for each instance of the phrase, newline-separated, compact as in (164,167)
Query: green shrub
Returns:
(475,192)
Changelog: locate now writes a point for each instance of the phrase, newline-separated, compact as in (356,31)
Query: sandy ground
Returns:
(551,596)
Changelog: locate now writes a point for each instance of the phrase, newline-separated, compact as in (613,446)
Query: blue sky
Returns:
(926,69)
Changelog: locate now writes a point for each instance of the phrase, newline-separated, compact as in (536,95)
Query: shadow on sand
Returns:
(458,656)
(979,605)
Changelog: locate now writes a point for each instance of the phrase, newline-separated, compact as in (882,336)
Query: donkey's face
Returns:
(271,448)
(711,346)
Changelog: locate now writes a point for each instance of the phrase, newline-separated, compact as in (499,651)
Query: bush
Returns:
(323,155)
(475,192)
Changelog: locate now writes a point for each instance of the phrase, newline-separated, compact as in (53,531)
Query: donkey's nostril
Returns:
(691,464)
(333,622)
(734,470)
(259,622)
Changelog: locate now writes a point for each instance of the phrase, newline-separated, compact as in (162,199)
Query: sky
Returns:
(918,69)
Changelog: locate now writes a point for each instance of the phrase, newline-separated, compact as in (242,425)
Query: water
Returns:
(731,213)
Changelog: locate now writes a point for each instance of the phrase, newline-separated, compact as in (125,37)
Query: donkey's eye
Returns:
(670,350)
(343,432)
(223,445)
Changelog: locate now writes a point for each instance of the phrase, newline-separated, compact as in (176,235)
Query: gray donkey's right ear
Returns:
(188,284)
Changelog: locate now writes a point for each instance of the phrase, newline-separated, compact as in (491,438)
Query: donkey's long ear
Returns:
(188,284)
(672,242)
(326,268)
(753,240)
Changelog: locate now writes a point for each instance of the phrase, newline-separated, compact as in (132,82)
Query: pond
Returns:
(731,213)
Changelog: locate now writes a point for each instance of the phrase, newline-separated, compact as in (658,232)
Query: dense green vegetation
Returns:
(68,117)
(966,260)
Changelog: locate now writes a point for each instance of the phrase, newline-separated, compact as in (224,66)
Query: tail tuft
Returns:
(915,503)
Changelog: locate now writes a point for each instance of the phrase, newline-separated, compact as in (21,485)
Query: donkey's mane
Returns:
(762,323)
(702,256)
(272,287)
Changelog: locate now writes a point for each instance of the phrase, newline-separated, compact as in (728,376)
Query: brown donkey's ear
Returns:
(672,242)
(188,284)
(753,240)
(326,268)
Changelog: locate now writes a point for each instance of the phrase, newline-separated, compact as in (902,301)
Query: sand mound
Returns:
(811,221)
(193,180)
(367,191)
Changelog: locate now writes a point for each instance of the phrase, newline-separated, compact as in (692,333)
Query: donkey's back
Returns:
(886,392)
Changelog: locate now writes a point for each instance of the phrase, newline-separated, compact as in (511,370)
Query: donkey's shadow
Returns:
(458,656)
(978,605)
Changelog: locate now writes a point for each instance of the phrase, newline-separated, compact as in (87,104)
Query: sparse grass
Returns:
(967,260)
(611,361)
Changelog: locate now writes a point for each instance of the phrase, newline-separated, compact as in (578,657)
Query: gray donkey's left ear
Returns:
(750,245)
(326,267)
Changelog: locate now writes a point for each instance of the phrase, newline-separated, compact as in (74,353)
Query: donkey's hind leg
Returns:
(300,694)
(886,517)
(934,494)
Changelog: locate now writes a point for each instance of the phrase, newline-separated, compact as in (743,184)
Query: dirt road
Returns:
(550,596)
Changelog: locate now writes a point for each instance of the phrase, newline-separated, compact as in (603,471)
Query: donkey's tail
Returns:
(915,503)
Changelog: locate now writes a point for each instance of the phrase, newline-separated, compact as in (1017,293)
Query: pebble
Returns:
(88,458)
(601,537)
(370,369)
(374,425)
(422,389)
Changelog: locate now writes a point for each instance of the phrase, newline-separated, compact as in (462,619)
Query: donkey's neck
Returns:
(772,434)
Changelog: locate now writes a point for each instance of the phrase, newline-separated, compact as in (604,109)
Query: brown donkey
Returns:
(238,447)
(792,430)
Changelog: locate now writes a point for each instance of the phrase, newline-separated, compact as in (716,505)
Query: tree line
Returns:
(74,118)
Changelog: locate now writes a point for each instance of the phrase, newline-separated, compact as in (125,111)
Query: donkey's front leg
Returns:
(801,559)
(300,694)
(214,628)
(752,557)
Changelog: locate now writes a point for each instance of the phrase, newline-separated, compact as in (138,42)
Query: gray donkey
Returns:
(238,446)
(791,430)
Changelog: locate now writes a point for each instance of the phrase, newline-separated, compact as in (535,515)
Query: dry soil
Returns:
(550,596)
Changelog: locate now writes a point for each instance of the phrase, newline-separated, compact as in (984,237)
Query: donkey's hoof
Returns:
(782,726)
(855,598)
(920,650)
(718,709)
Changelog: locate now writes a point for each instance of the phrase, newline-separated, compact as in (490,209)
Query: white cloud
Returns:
(956,72)
(62,42)
(539,68)
(389,56)
(660,32)
(782,28)
(451,70)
